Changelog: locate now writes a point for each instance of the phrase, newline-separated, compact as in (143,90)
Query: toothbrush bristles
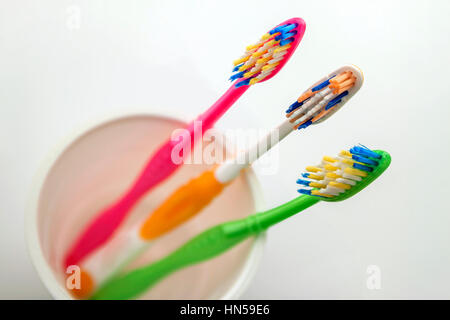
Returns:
(318,101)
(263,57)
(337,175)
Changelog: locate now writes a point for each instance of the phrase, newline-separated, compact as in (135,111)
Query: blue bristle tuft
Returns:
(304,191)
(364,151)
(237,75)
(236,68)
(305,175)
(364,160)
(285,35)
(289,27)
(283,28)
(274,30)
(335,100)
(332,104)
(242,83)
(303,182)
(322,85)
(286,41)
(305,125)
(362,167)
(294,106)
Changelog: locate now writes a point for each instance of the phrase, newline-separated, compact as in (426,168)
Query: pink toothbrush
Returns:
(260,62)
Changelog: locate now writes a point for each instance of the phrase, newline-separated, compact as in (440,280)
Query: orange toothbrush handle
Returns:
(183,204)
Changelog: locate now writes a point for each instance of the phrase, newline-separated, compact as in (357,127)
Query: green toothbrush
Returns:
(335,179)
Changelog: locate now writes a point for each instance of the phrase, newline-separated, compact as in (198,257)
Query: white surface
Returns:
(135,55)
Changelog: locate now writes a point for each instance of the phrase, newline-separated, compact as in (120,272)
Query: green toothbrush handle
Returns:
(273,216)
(206,245)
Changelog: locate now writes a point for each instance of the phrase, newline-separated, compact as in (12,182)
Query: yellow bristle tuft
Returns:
(330,167)
(263,60)
(315,176)
(317,185)
(269,66)
(313,169)
(348,161)
(239,61)
(249,74)
(252,46)
(329,159)
(266,36)
(253,81)
(355,172)
(317,193)
(333,175)
(345,153)
(285,47)
(339,185)
(259,53)
(247,66)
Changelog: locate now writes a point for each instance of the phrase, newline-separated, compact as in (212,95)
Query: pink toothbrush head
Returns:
(265,58)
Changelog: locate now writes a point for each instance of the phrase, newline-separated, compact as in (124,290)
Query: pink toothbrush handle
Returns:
(159,167)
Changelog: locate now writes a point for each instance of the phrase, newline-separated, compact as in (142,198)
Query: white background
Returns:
(129,56)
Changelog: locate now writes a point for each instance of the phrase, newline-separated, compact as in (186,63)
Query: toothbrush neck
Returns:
(197,128)
(269,218)
(232,167)
(210,116)
(261,221)
(270,140)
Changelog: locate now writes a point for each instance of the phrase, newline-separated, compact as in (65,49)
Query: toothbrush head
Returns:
(339,178)
(262,60)
(325,97)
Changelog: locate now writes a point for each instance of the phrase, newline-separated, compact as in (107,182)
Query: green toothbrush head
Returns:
(339,178)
